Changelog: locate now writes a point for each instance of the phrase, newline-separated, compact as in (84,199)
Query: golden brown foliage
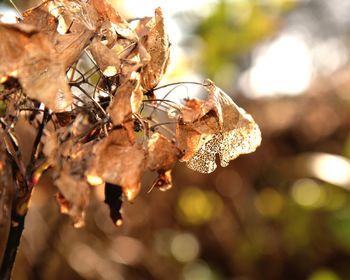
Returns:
(100,132)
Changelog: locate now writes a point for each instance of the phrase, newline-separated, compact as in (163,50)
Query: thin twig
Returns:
(18,11)
(36,145)
(163,127)
(93,100)
(174,84)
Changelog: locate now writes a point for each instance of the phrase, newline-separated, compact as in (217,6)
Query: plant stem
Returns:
(23,189)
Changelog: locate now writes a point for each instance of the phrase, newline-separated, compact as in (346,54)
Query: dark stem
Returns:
(23,189)
(35,150)
(16,230)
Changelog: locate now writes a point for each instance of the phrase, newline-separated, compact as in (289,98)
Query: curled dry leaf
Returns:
(107,12)
(226,130)
(120,162)
(73,15)
(85,148)
(106,59)
(51,147)
(69,46)
(162,153)
(162,156)
(26,54)
(157,45)
(74,195)
(126,100)
(41,18)
(69,159)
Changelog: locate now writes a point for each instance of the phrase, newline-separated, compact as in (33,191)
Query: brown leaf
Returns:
(74,195)
(229,132)
(69,159)
(127,100)
(199,143)
(106,59)
(69,46)
(143,26)
(119,162)
(40,17)
(162,154)
(73,15)
(27,55)
(107,12)
(51,146)
(157,45)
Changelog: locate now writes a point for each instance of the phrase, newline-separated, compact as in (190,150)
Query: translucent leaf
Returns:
(219,127)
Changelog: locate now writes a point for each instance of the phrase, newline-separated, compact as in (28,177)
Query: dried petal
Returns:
(162,154)
(190,137)
(157,45)
(69,46)
(74,195)
(126,100)
(50,146)
(27,54)
(120,162)
(229,132)
(143,26)
(107,12)
(106,59)
(40,17)
(73,15)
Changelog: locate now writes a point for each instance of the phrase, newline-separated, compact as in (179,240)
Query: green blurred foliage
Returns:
(234,28)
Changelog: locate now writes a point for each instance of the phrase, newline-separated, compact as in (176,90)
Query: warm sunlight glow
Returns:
(281,67)
(331,168)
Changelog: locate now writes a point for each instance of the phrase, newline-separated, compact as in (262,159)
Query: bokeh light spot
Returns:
(184,247)
(197,207)
(308,193)
(324,274)
(268,202)
(198,271)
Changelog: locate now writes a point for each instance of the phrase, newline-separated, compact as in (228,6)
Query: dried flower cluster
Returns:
(83,77)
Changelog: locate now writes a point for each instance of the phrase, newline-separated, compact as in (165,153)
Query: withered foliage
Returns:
(84,77)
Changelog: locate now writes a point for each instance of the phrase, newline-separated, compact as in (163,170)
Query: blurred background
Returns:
(282,212)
